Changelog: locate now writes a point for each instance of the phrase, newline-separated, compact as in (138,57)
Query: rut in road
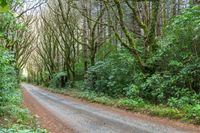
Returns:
(88,119)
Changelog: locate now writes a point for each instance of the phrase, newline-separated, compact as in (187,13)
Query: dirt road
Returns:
(62,114)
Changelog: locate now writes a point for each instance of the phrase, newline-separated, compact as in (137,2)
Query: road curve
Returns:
(84,118)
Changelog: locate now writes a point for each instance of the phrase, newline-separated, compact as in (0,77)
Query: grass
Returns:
(18,119)
(15,118)
(188,115)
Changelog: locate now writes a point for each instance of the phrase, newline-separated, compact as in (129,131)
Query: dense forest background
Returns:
(145,53)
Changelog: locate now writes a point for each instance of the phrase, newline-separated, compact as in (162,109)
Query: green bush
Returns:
(152,88)
(131,104)
(9,92)
(165,112)
(110,76)
(59,80)
(194,113)
(132,91)
(11,97)
(183,102)
(176,62)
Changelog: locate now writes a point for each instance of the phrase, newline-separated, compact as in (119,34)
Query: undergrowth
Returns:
(189,114)
(13,117)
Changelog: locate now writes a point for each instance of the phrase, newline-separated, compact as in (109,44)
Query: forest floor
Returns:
(64,114)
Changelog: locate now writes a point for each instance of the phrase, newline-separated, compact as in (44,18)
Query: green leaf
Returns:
(4,6)
(3,3)
(4,9)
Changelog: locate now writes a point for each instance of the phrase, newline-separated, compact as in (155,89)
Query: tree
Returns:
(148,28)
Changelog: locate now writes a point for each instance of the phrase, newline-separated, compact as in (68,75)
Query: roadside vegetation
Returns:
(142,56)
(14,118)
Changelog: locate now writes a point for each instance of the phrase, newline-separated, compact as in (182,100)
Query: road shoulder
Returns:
(45,117)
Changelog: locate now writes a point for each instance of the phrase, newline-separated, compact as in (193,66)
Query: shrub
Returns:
(152,88)
(9,92)
(176,62)
(165,112)
(194,113)
(131,103)
(158,88)
(133,91)
(59,80)
(183,102)
(111,74)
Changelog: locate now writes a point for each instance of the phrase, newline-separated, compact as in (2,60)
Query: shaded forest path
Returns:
(63,114)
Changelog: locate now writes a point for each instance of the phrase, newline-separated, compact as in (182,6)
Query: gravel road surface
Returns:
(85,118)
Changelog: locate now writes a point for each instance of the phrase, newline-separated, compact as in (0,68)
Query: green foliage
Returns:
(79,70)
(11,98)
(9,94)
(165,112)
(11,110)
(111,74)
(174,80)
(131,104)
(179,45)
(153,89)
(4,7)
(183,102)
(132,91)
(176,62)
(194,114)
(176,65)
(107,49)
(59,80)
(21,129)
